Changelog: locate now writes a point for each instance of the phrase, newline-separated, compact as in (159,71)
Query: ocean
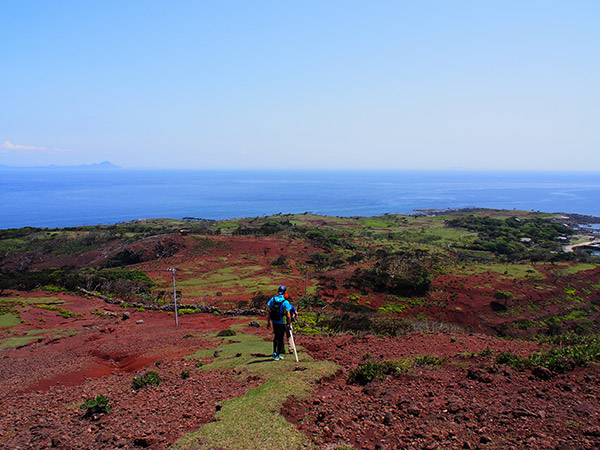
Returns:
(71,197)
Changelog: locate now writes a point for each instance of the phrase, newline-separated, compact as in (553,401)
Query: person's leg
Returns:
(274,339)
(278,346)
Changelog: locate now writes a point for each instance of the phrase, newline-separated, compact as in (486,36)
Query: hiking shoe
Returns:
(278,358)
(274,355)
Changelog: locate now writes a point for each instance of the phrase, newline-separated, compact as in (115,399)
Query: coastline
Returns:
(62,198)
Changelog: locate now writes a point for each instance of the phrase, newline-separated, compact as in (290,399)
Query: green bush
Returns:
(372,370)
(429,360)
(397,367)
(185,374)
(503,295)
(367,372)
(98,405)
(150,378)
(226,332)
(309,302)
(574,351)
(509,359)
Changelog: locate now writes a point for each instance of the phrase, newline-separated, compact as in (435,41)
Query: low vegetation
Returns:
(565,354)
(95,406)
(151,378)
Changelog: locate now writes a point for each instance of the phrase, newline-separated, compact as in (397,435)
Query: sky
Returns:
(326,84)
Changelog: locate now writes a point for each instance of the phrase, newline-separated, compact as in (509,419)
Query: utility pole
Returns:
(305,279)
(173,270)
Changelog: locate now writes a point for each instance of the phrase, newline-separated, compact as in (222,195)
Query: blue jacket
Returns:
(285,306)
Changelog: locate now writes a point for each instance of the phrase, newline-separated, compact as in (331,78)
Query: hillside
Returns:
(455,329)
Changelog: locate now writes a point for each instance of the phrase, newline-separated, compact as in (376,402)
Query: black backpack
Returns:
(275,312)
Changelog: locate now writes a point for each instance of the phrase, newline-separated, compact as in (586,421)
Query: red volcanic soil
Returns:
(468,402)
(44,383)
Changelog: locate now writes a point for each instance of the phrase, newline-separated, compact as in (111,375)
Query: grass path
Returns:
(254,420)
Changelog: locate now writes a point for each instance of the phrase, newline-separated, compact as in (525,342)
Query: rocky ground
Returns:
(466,402)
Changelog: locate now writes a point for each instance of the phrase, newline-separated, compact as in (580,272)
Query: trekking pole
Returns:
(293,343)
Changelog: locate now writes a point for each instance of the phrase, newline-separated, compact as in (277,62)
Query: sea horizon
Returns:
(60,197)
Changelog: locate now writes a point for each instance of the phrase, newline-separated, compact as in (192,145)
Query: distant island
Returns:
(103,165)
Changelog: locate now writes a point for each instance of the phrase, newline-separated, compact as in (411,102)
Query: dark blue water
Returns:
(60,197)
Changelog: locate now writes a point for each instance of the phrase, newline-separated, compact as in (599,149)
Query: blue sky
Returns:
(301,84)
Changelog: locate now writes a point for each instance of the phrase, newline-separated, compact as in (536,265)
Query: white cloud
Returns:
(7,146)
(10,146)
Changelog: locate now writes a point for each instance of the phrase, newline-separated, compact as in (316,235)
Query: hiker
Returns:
(278,308)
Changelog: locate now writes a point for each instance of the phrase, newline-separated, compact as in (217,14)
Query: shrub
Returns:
(503,295)
(227,332)
(310,302)
(372,370)
(562,359)
(281,261)
(185,374)
(429,360)
(509,359)
(397,367)
(367,372)
(259,301)
(366,323)
(98,405)
(150,378)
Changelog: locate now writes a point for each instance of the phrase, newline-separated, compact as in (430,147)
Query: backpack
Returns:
(275,312)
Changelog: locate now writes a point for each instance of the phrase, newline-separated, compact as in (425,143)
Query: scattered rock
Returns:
(254,324)
(475,373)
(144,442)
(389,417)
(139,321)
(485,439)
(522,412)
(413,410)
(126,315)
(542,373)
(58,442)
(104,437)
(592,431)
(584,409)
(565,387)
(454,405)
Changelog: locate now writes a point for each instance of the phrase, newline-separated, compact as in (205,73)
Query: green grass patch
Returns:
(227,278)
(571,269)
(32,300)
(16,341)
(510,271)
(9,320)
(254,420)
(30,336)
